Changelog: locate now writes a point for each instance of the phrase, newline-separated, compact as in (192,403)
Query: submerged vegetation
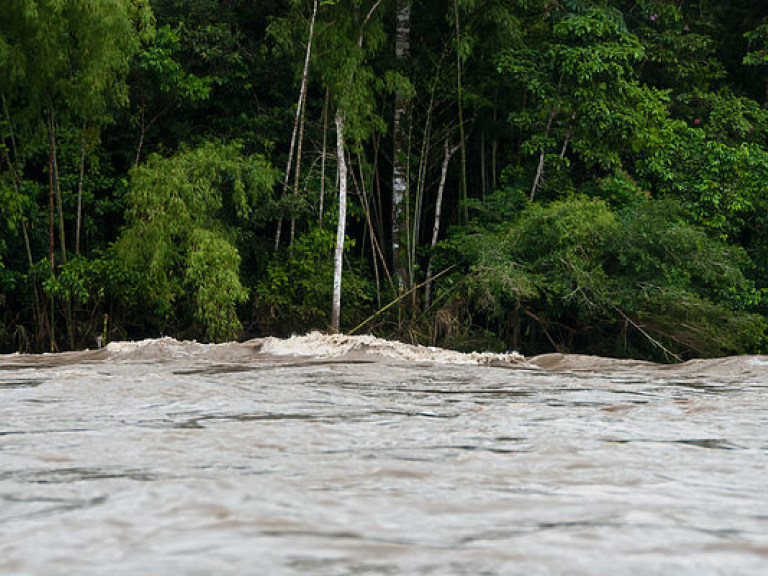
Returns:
(543,175)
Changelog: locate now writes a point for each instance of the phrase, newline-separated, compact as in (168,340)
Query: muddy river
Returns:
(336,455)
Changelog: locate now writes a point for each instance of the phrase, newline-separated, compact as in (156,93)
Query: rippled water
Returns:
(171,458)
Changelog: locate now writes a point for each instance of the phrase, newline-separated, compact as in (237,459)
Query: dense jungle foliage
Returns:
(539,175)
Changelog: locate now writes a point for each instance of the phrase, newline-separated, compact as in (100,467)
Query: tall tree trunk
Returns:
(423,168)
(302,99)
(483,182)
(142,134)
(56,185)
(323,158)
(37,311)
(51,243)
(297,170)
(69,321)
(51,235)
(338,256)
(494,149)
(419,201)
(542,154)
(399,179)
(56,182)
(376,252)
(80,193)
(447,155)
(463,192)
(378,208)
(410,222)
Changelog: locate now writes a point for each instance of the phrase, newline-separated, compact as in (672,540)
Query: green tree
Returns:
(356,34)
(180,238)
(159,83)
(583,93)
(61,65)
(582,276)
(64,62)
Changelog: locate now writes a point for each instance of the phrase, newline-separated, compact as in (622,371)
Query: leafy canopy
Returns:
(180,238)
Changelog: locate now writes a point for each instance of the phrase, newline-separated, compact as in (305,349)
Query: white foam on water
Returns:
(165,348)
(312,345)
(317,344)
(324,346)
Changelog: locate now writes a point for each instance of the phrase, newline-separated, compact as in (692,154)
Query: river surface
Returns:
(333,455)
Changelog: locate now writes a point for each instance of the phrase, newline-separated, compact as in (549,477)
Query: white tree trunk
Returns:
(80,179)
(338,257)
(542,154)
(448,154)
(399,179)
(302,99)
(297,170)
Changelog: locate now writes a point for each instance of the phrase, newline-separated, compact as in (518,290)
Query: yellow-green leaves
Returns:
(180,238)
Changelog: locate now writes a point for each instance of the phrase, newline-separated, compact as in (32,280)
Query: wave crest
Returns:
(332,345)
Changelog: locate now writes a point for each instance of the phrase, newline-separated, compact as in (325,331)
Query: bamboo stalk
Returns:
(448,154)
(322,159)
(80,179)
(463,193)
(398,299)
(302,97)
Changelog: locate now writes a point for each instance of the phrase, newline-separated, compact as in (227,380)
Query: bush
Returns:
(183,214)
(579,275)
(296,292)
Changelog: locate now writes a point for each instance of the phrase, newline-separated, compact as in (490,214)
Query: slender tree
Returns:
(349,82)
(399,155)
(298,125)
(68,65)
(448,153)
(338,254)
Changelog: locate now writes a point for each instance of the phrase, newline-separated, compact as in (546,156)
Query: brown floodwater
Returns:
(335,455)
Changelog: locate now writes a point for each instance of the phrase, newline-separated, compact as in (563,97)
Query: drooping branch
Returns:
(144,128)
